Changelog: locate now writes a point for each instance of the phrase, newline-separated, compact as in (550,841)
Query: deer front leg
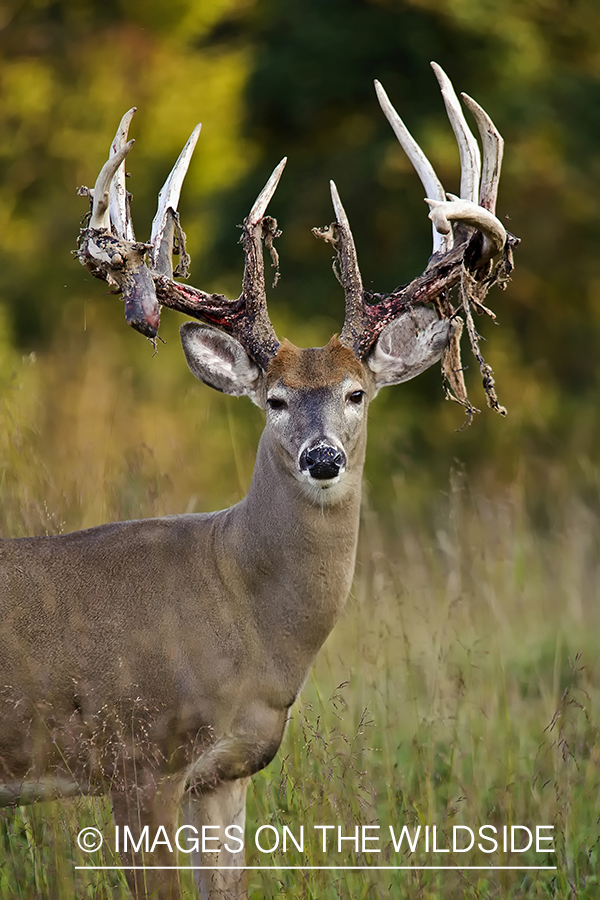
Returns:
(221,807)
(216,796)
(142,841)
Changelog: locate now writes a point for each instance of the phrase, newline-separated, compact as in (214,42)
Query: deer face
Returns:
(316,403)
(316,399)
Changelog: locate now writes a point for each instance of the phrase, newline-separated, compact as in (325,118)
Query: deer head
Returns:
(385,339)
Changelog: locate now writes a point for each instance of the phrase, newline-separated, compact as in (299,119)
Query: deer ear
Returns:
(219,360)
(407,346)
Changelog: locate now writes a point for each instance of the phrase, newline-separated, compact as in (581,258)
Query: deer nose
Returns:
(322,462)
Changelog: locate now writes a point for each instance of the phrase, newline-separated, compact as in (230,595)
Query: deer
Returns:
(157,661)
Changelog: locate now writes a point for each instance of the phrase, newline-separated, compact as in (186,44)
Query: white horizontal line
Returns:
(312,868)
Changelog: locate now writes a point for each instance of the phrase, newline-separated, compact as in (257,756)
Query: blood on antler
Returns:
(471,249)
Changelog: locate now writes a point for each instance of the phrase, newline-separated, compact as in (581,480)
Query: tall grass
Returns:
(468,665)
(461,686)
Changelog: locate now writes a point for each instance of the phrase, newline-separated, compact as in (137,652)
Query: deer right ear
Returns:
(220,361)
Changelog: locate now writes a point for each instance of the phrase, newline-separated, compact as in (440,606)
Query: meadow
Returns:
(461,686)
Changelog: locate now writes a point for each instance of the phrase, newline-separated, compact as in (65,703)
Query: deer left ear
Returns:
(407,346)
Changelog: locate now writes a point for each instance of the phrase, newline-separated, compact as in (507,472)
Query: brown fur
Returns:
(316,367)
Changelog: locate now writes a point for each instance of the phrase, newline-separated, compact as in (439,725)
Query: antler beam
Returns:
(467,249)
(107,248)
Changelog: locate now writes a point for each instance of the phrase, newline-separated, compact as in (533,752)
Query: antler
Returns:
(466,237)
(462,254)
(107,248)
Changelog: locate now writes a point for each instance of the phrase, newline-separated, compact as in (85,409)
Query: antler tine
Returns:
(422,166)
(349,273)
(246,318)
(120,217)
(455,209)
(121,262)
(493,150)
(255,330)
(266,195)
(368,313)
(470,158)
(100,219)
(163,224)
(466,209)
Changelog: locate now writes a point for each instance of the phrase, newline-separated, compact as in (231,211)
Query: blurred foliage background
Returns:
(280,77)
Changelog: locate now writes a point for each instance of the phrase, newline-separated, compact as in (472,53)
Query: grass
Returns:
(468,665)
(461,687)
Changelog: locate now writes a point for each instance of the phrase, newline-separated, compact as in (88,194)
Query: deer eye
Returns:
(356,397)
(276,403)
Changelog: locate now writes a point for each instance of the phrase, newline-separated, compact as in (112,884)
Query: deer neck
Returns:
(296,557)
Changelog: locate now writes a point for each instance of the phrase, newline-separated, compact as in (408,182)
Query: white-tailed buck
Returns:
(157,660)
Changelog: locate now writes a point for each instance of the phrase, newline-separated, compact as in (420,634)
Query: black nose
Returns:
(322,462)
